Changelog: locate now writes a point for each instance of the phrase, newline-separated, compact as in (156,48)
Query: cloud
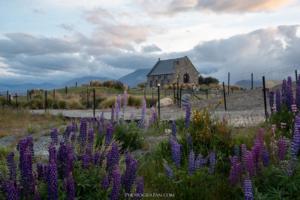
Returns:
(171,7)
(272,52)
(151,48)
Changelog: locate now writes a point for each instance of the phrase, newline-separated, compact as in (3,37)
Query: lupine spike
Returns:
(116,179)
(176,151)
(248,191)
(139,188)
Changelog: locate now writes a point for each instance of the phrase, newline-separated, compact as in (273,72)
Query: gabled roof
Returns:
(164,66)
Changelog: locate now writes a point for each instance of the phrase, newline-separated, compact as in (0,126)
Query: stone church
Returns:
(171,71)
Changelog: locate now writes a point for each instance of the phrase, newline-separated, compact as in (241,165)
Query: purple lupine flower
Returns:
(169,171)
(52,181)
(278,100)
(97,157)
(174,129)
(265,157)
(70,157)
(61,158)
(105,183)
(112,157)
(289,94)
(282,148)
(235,170)
(11,166)
(176,151)
(85,159)
(91,138)
(212,162)
(248,191)
(187,115)
(54,136)
(139,188)
(191,167)
(11,190)
(82,133)
(143,114)
(298,95)
(109,134)
(200,161)
(130,172)
(30,145)
(70,187)
(249,163)
(116,181)
(25,166)
(257,149)
(52,153)
(295,145)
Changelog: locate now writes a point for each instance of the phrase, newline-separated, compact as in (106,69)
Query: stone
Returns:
(165,102)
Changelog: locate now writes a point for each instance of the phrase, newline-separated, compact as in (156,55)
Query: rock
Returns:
(165,102)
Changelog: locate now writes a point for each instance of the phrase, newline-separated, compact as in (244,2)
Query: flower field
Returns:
(202,157)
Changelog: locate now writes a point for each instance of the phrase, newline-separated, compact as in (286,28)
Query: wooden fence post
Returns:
(16,96)
(54,91)
(224,95)
(66,90)
(296,75)
(7,97)
(265,96)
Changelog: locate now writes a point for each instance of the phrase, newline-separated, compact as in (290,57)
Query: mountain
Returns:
(134,78)
(84,80)
(247,84)
(22,88)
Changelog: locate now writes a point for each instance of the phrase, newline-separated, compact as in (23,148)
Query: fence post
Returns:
(224,95)
(66,90)
(228,86)
(158,100)
(152,97)
(16,96)
(27,95)
(94,102)
(296,75)
(76,84)
(251,81)
(265,96)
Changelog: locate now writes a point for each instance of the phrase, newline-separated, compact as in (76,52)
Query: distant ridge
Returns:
(134,78)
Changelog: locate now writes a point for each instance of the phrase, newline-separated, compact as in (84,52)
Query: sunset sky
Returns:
(56,40)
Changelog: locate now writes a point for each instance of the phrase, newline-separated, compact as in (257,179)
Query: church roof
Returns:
(165,66)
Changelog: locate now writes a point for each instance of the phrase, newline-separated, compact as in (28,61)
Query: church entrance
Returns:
(186,78)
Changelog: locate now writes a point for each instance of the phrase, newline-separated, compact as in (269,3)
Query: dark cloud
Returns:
(150,48)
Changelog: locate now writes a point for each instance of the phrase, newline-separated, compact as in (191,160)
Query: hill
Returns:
(135,77)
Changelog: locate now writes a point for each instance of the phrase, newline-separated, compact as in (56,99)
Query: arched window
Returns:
(186,78)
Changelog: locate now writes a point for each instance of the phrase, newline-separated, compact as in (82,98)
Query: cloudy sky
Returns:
(56,40)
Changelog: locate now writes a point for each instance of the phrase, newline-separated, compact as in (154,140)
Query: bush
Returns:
(62,104)
(35,104)
(113,84)
(207,80)
(72,104)
(129,135)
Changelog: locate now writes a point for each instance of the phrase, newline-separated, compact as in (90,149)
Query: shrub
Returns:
(129,135)
(72,104)
(207,80)
(62,104)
